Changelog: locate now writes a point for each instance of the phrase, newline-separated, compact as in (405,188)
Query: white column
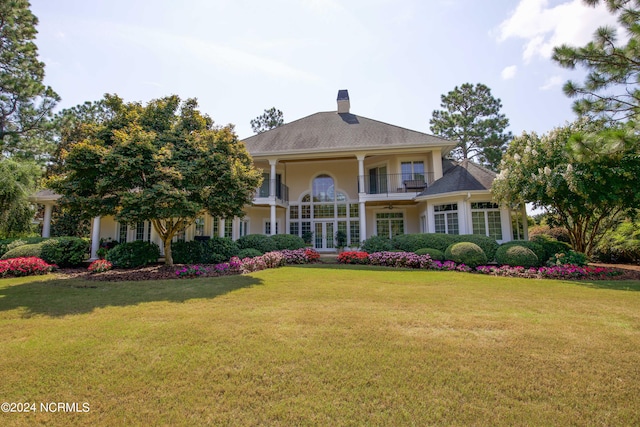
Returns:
(363,221)
(46,223)
(505,221)
(272,177)
(95,238)
(360,158)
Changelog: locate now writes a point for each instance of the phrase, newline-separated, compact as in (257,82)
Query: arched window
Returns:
(323,190)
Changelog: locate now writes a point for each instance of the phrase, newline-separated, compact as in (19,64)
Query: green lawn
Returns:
(323,345)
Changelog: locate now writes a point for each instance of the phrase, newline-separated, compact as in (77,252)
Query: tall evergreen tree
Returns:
(611,89)
(471,116)
(271,118)
(25,102)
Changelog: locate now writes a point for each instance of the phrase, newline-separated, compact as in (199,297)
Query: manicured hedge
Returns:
(260,242)
(24,251)
(466,253)
(550,245)
(7,244)
(219,249)
(133,254)
(536,248)
(377,244)
(516,256)
(435,254)
(65,251)
(287,241)
(249,253)
(413,242)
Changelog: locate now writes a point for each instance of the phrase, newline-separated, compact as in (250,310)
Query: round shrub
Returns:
(435,254)
(219,249)
(133,254)
(376,244)
(260,242)
(65,251)
(287,242)
(249,253)
(7,244)
(466,253)
(536,248)
(188,252)
(516,256)
(488,244)
(550,245)
(34,250)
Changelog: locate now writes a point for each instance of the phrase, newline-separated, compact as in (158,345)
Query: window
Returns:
(389,224)
(293,212)
(215,230)
(228,228)
(485,219)
(181,235)
(446,218)
(122,232)
(140,230)
(412,171)
(244,227)
(267,227)
(200,226)
(264,189)
(377,180)
(354,233)
(294,228)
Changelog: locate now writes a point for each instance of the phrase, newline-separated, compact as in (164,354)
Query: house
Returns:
(336,170)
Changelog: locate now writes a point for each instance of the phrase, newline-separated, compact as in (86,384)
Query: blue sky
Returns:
(239,57)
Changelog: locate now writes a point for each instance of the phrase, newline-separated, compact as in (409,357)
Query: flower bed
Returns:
(411,260)
(25,266)
(247,265)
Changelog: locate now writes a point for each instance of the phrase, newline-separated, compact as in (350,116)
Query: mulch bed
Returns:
(162,272)
(152,272)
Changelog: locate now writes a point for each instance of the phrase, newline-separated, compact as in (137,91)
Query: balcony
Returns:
(282,192)
(398,183)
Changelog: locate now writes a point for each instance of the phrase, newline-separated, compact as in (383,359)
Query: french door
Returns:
(323,236)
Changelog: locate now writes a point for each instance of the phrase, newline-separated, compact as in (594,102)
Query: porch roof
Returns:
(462,176)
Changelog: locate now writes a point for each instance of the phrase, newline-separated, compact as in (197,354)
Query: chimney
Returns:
(343,101)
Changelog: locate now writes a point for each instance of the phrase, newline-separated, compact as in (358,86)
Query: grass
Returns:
(323,345)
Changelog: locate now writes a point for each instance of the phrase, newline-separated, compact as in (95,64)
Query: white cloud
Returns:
(543,27)
(509,72)
(552,82)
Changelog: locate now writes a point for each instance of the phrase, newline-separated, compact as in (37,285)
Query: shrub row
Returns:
(411,260)
(474,250)
(415,242)
(62,251)
(221,249)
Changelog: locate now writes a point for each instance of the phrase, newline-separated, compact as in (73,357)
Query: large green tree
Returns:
(25,102)
(471,116)
(17,182)
(611,87)
(585,174)
(164,162)
(270,119)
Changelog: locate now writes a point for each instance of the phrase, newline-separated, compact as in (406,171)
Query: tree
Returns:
(472,117)
(17,183)
(585,176)
(611,88)
(25,102)
(164,162)
(271,118)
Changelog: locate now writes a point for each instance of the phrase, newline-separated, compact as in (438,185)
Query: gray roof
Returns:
(330,131)
(460,176)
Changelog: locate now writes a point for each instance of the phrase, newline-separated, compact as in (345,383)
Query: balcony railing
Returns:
(396,183)
(282,191)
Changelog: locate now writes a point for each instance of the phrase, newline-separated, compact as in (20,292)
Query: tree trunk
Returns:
(168,258)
